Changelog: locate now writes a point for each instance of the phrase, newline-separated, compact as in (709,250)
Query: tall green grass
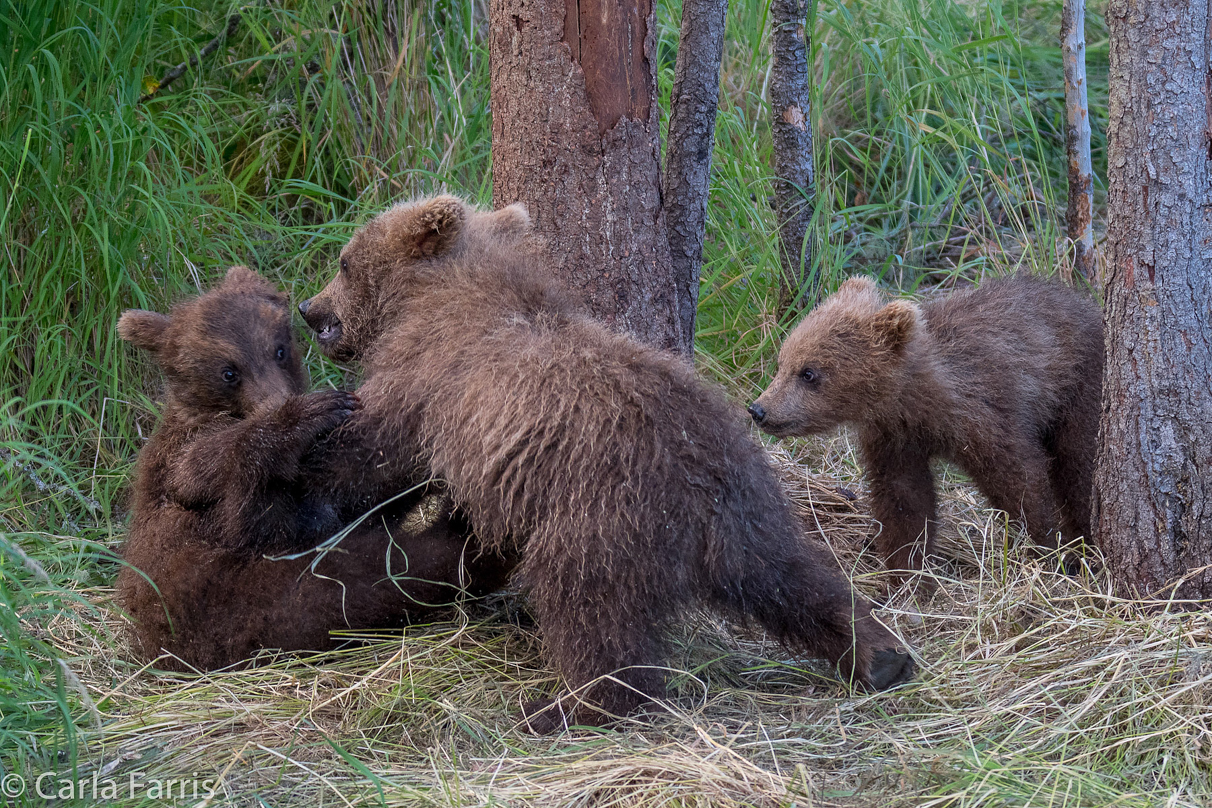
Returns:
(265,154)
(262,155)
(939,154)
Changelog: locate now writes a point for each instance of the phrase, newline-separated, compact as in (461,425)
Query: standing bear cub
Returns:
(630,489)
(1004,380)
(220,483)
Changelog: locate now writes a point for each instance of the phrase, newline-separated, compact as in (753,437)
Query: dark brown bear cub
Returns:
(1004,380)
(631,489)
(219,483)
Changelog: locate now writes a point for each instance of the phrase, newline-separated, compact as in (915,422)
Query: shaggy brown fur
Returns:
(631,489)
(1004,380)
(219,483)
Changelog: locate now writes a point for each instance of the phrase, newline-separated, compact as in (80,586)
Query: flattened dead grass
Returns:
(1034,688)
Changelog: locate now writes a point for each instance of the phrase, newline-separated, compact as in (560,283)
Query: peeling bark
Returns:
(791,129)
(1080,217)
(693,107)
(1153,485)
(576,137)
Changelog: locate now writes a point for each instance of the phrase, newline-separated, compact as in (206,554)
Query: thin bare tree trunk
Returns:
(1153,484)
(693,107)
(1080,218)
(791,128)
(576,136)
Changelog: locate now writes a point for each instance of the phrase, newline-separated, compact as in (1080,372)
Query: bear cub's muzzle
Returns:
(326,325)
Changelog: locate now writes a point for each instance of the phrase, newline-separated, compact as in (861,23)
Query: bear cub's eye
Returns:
(230,376)
(808,375)
(344,265)
(281,353)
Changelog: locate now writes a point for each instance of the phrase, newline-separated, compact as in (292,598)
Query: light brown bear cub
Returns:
(221,482)
(1003,379)
(630,488)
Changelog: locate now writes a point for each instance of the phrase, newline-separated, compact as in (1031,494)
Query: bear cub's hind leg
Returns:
(1016,480)
(797,594)
(603,636)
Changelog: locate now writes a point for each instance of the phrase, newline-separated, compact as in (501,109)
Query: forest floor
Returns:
(1034,688)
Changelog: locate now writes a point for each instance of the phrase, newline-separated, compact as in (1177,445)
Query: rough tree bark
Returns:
(576,136)
(693,107)
(1153,485)
(791,128)
(1080,218)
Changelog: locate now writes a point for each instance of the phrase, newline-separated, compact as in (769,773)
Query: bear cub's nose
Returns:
(304,306)
(758,412)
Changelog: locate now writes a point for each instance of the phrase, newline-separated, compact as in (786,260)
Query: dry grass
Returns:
(1034,689)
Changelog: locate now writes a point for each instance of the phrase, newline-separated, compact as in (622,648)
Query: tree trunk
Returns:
(1153,485)
(791,129)
(693,107)
(576,137)
(1080,218)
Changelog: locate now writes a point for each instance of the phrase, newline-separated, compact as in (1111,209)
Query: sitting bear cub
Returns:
(630,488)
(1003,379)
(219,483)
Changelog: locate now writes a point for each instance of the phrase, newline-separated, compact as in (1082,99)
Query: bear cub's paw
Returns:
(889,668)
(319,413)
(545,716)
(552,715)
(881,660)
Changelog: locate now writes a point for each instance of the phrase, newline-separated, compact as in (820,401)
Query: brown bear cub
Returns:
(1003,379)
(219,484)
(630,488)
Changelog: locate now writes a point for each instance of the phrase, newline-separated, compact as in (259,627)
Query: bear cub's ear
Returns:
(243,279)
(143,329)
(432,227)
(858,285)
(894,326)
(860,293)
(511,221)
